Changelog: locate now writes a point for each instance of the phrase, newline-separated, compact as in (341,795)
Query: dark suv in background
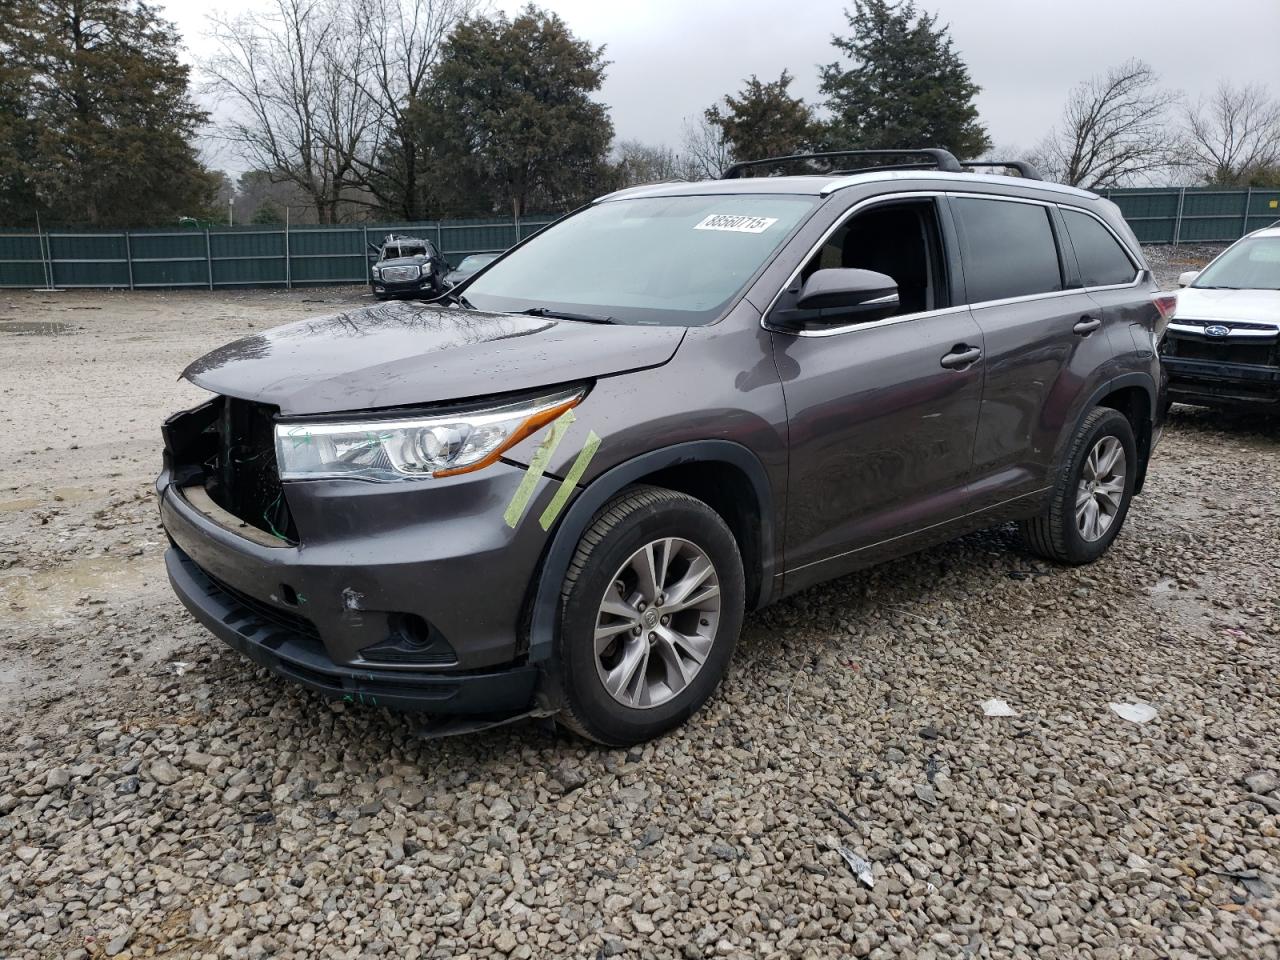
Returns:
(559,489)
(407,267)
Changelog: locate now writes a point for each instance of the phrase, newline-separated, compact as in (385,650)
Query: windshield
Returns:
(395,253)
(477,260)
(655,260)
(1251,265)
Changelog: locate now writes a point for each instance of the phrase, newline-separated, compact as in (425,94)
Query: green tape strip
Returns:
(524,493)
(570,481)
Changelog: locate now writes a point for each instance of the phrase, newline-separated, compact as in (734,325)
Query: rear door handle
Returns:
(1087,325)
(961,355)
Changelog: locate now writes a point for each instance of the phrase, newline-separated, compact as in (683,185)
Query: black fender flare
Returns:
(545,614)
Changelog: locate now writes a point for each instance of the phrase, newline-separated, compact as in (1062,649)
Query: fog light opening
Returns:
(413,631)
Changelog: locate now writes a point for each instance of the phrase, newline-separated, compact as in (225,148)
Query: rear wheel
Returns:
(652,606)
(1091,497)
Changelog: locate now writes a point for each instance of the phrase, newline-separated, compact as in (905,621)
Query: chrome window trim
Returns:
(981,304)
(1054,203)
(821,242)
(1134,261)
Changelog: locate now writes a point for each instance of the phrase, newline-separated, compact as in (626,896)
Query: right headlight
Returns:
(417,448)
(377,273)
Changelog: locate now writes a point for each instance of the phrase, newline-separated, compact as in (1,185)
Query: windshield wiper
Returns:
(566,315)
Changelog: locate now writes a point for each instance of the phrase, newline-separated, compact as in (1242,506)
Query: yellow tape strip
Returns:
(524,493)
(570,481)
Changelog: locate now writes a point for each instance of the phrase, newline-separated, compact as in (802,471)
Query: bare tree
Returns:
(404,40)
(1233,134)
(1114,130)
(288,73)
(706,152)
(641,163)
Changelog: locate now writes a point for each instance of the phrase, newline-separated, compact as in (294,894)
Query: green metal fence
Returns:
(249,256)
(260,256)
(1196,214)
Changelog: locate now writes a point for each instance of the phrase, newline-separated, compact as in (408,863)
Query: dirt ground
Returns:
(159,795)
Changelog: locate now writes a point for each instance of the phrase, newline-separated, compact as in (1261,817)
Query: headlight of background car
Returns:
(377,273)
(413,449)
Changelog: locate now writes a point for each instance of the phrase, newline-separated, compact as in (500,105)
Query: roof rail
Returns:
(941,159)
(1025,170)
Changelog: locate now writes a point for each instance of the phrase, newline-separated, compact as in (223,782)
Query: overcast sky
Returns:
(673,58)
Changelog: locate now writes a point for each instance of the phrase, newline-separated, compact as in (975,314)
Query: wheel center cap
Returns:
(650,617)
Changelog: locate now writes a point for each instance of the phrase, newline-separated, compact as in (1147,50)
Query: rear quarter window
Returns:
(1008,249)
(1101,258)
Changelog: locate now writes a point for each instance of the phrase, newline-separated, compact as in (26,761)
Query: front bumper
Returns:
(292,654)
(1210,383)
(372,558)
(405,288)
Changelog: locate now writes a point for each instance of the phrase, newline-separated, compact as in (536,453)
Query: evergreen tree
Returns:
(18,203)
(109,118)
(904,85)
(764,120)
(515,100)
(267,213)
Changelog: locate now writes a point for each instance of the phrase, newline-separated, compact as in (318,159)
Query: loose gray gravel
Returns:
(159,795)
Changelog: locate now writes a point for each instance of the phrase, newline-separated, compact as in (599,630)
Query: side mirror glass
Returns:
(1188,278)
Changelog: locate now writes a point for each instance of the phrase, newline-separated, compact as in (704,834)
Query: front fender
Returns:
(544,621)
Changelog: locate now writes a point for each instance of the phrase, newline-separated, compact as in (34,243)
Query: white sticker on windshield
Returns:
(736,224)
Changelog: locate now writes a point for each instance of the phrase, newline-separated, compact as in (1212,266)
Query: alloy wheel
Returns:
(657,623)
(1101,491)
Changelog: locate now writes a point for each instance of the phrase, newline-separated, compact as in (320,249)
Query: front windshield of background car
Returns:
(1251,265)
(477,260)
(654,260)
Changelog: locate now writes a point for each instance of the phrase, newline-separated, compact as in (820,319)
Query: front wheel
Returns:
(1091,496)
(652,605)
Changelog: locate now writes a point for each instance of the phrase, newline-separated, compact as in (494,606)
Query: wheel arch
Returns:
(719,472)
(1134,395)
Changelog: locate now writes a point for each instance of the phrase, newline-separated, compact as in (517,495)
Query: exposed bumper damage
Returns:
(404,595)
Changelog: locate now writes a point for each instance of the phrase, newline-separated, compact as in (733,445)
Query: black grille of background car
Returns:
(243,477)
(1221,351)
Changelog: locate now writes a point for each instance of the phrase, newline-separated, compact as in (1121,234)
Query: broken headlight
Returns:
(417,448)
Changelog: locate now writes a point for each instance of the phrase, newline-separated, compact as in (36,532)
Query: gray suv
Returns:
(558,489)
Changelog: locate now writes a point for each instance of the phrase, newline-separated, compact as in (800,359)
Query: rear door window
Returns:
(1102,260)
(1008,249)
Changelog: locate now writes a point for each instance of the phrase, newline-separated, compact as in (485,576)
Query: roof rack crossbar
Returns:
(942,159)
(1025,170)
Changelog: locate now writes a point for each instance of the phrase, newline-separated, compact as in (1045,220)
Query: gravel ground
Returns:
(159,795)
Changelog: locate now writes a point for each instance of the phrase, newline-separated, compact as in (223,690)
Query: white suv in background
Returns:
(1222,347)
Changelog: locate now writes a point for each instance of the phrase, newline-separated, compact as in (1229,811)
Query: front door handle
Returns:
(961,355)
(1087,325)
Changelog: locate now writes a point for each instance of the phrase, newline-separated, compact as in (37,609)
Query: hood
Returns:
(1257,306)
(400,354)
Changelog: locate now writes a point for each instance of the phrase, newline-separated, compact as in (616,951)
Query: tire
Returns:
(1060,534)
(688,534)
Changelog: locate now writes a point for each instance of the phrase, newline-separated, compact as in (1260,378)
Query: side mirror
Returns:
(1188,278)
(845,293)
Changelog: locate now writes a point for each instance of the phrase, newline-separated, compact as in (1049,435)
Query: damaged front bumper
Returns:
(297,656)
(409,596)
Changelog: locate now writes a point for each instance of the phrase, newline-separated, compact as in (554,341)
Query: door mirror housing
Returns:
(844,294)
(1188,278)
